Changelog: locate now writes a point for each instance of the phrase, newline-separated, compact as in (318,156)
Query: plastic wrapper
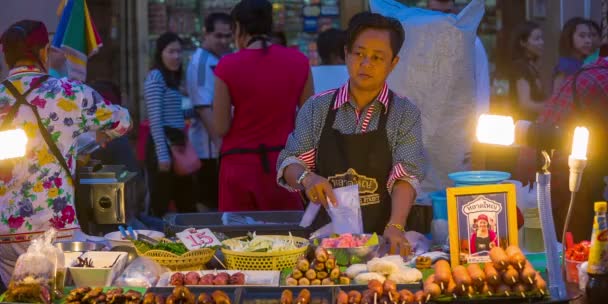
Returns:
(346,216)
(436,72)
(142,272)
(39,273)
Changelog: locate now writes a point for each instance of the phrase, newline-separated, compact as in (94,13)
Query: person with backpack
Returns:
(37,189)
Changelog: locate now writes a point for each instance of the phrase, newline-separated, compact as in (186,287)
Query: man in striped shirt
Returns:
(361,134)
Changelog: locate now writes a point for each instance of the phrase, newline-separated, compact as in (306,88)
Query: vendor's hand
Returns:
(318,190)
(396,238)
(164,166)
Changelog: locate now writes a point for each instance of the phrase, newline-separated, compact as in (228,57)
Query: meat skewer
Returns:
(499,257)
(431,288)
(491,274)
(354,297)
(477,275)
(462,277)
(303,297)
(442,273)
(516,257)
(342,298)
(510,276)
(406,296)
(287,297)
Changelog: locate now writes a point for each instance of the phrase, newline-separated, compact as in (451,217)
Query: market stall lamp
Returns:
(577,161)
(496,129)
(13,144)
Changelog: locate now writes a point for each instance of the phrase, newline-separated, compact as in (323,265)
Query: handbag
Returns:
(183,155)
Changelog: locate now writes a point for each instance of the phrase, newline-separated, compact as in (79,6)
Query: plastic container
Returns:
(107,265)
(270,222)
(572,270)
(532,231)
(440,205)
(474,178)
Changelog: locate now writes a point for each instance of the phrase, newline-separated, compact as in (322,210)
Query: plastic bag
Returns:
(142,272)
(39,273)
(346,216)
(436,72)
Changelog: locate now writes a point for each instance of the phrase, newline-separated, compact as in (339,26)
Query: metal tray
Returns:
(271,222)
(272,295)
(233,292)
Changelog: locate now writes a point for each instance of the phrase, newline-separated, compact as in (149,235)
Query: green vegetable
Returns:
(176,248)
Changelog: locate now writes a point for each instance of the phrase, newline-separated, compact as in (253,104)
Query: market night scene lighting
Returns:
(496,129)
(13,144)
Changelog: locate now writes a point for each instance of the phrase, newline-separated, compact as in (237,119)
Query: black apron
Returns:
(365,159)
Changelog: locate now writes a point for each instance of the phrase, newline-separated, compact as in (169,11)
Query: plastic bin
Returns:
(572,270)
(440,205)
(271,222)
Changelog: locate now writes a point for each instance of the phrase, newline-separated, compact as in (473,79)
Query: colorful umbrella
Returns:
(77,36)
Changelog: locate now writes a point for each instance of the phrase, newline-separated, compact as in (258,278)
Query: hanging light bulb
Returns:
(12,144)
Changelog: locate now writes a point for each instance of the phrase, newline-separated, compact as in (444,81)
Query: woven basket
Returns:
(238,260)
(191,260)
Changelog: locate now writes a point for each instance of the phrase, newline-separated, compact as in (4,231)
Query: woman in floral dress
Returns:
(36,192)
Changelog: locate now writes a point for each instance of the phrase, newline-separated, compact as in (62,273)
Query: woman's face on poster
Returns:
(482,224)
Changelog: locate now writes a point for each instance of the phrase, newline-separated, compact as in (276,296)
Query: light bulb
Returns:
(13,143)
(579,143)
(496,129)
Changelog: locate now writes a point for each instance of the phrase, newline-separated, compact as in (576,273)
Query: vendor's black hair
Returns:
(172,79)
(592,24)
(522,34)
(366,20)
(214,18)
(566,40)
(14,45)
(331,43)
(254,17)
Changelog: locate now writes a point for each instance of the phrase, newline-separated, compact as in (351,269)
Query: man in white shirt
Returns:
(332,72)
(200,83)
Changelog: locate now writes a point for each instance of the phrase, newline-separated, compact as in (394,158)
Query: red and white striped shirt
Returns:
(403,132)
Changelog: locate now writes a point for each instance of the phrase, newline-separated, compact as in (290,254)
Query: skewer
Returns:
(441,285)
(489,293)
(463,289)
(513,278)
(542,292)
(495,278)
(428,297)
(218,260)
(480,280)
(455,297)
(507,293)
(530,279)
(390,297)
(375,298)
(523,295)
(519,265)
(470,296)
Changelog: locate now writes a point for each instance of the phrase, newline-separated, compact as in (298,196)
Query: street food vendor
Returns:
(361,133)
(36,189)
